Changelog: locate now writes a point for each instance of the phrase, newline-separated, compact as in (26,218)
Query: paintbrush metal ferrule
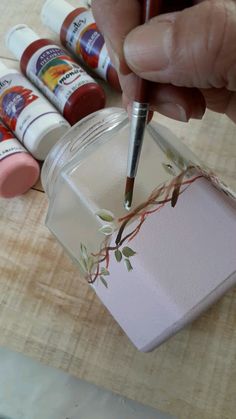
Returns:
(137,129)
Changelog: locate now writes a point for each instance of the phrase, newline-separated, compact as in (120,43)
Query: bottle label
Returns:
(85,40)
(55,73)
(8,144)
(20,106)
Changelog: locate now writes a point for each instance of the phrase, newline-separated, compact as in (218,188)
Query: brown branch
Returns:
(142,212)
(137,229)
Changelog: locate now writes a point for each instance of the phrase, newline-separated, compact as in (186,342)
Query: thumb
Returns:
(192,48)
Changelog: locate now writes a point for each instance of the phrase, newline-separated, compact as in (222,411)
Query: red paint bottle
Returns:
(56,74)
(79,34)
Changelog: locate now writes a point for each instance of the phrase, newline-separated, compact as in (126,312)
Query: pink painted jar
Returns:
(159,266)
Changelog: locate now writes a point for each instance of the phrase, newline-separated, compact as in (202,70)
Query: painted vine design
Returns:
(96,266)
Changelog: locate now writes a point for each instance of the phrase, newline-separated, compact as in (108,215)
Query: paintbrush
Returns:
(140,109)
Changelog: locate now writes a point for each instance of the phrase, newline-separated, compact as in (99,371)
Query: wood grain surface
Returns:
(49,313)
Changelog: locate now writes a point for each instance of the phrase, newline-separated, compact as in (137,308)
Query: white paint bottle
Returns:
(34,121)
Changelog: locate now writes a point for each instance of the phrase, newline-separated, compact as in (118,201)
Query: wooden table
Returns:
(49,313)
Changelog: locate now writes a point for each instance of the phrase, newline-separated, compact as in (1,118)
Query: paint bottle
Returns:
(74,93)
(34,121)
(18,170)
(79,34)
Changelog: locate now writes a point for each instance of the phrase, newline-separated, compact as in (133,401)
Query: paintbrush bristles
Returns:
(129,188)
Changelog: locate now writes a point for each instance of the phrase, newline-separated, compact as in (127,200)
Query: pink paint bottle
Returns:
(73,92)
(18,170)
(79,34)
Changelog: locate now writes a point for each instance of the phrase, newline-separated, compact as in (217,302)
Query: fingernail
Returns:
(174,111)
(120,66)
(147,47)
(112,54)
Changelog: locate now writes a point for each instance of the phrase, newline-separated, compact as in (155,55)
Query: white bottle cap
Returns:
(54,13)
(3,67)
(19,38)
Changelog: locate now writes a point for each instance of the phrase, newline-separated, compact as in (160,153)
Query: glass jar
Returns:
(159,265)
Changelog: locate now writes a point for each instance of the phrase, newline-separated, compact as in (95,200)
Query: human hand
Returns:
(189,56)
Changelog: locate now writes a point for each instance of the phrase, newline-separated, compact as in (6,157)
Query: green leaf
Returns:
(175,196)
(103,281)
(170,154)
(104,271)
(176,191)
(128,265)
(107,229)
(128,252)
(105,215)
(169,169)
(118,255)
(90,263)
(181,162)
(83,250)
(83,265)
(192,170)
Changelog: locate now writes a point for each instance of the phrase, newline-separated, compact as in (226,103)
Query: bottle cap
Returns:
(19,38)
(54,13)
(3,67)
(18,170)
(18,173)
